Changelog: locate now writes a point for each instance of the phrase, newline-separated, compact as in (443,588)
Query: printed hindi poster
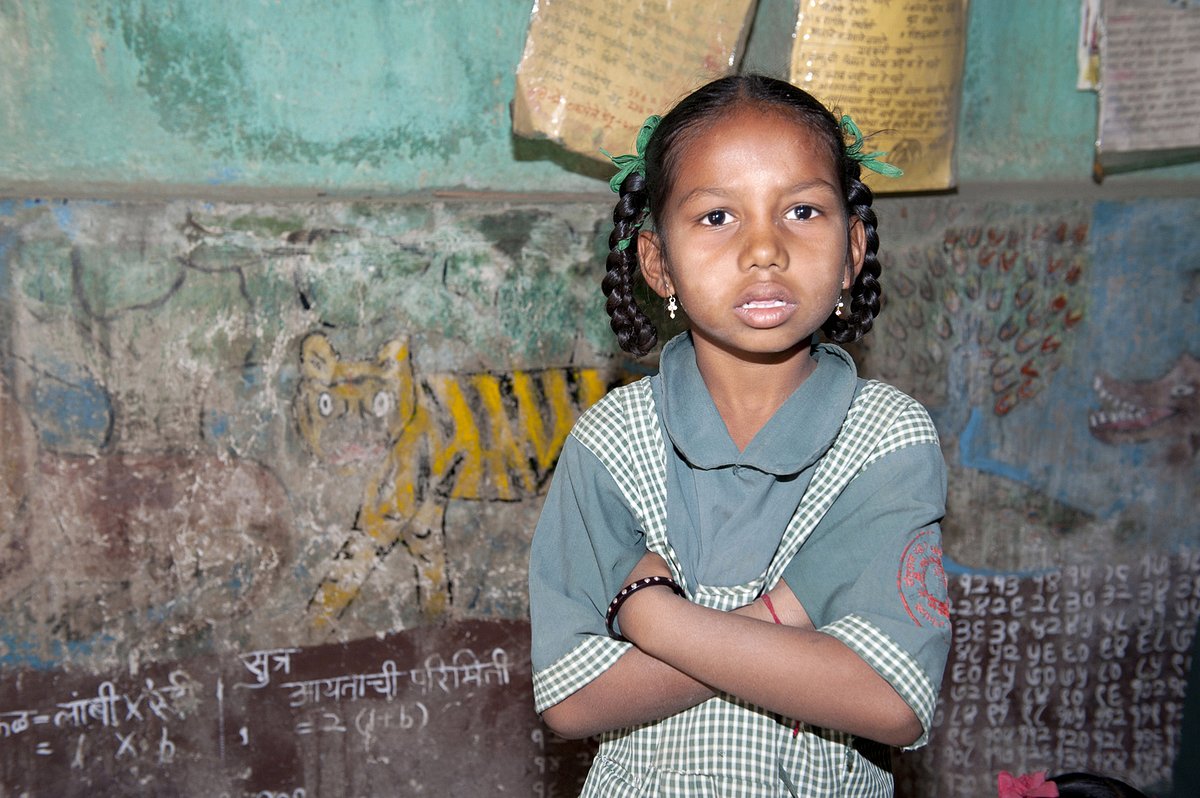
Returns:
(1149,85)
(896,67)
(592,72)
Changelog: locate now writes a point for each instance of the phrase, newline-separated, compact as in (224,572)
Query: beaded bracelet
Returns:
(614,606)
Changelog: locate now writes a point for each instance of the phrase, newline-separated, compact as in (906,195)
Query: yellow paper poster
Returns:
(896,67)
(592,72)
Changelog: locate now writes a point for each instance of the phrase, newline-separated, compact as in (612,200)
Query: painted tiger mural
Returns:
(426,440)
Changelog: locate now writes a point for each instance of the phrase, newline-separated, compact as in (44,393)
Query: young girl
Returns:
(736,579)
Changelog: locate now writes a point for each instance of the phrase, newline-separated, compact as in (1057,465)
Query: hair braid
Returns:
(866,293)
(634,330)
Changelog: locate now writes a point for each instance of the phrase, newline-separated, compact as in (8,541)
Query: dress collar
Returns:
(792,440)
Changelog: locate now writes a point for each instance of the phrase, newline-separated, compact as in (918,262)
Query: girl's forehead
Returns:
(752,137)
(748,120)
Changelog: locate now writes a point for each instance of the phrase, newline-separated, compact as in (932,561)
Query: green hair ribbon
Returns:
(870,160)
(628,164)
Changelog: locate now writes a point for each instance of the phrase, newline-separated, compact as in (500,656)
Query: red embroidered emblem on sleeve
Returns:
(922,581)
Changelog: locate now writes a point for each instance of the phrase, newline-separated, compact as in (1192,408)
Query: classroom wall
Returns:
(291,332)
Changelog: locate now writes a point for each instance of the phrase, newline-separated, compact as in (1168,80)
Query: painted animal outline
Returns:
(1166,408)
(423,441)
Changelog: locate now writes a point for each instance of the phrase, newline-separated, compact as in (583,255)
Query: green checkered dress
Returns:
(726,747)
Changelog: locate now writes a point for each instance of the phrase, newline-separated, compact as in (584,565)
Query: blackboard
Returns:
(1083,667)
(444,710)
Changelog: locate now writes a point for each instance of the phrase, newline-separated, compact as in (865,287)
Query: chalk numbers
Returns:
(1085,666)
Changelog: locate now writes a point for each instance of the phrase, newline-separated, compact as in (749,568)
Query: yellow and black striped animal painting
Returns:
(423,441)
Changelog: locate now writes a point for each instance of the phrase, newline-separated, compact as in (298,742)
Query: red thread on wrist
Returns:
(771,609)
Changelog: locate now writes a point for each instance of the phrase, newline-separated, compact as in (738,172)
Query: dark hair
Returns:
(644,197)
(1089,785)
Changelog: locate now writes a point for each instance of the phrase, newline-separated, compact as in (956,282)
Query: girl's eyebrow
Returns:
(703,193)
(815,183)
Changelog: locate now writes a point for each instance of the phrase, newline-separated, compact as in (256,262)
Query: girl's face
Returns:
(754,238)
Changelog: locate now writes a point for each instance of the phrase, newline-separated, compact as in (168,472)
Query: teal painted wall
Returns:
(377,97)
(1022,118)
(352,96)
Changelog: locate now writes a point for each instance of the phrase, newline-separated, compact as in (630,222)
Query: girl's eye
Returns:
(803,213)
(715,218)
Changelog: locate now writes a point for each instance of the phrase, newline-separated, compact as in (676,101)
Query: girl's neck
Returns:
(747,390)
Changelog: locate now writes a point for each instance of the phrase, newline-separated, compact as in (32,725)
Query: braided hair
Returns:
(642,198)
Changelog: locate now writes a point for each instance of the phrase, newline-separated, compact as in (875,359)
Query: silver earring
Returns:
(672,306)
(841,305)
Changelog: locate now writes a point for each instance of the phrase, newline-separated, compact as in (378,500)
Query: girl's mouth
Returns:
(765,313)
(764,303)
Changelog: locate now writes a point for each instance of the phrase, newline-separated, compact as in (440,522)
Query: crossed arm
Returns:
(685,653)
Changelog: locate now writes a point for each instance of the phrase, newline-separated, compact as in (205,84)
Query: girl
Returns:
(736,579)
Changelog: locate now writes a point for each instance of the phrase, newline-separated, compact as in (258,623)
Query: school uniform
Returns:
(839,494)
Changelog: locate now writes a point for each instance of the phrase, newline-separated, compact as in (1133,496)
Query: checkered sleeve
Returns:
(585,544)
(871,574)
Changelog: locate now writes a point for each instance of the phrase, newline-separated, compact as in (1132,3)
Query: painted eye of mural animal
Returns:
(1183,390)
(325,404)
(382,404)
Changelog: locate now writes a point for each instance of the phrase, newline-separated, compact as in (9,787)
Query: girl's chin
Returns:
(759,347)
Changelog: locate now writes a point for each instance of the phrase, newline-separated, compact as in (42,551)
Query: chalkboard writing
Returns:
(1079,668)
(436,711)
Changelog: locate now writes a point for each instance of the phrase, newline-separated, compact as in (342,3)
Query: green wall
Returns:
(378,97)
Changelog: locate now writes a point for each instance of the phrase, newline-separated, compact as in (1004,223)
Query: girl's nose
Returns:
(763,247)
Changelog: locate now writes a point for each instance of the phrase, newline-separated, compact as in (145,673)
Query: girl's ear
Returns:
(654,263)
(856,251)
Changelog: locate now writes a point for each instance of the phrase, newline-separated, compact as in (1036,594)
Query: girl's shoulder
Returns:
(622,413)
(895,417)
(877,395)
(876,391)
